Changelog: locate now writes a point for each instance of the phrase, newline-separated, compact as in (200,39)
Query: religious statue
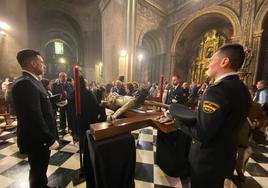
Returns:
(121,104)
(211,41)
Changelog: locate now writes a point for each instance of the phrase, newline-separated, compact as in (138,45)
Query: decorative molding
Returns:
(187,7)
(156,6)
(103,4)
(258,33)
(229,14)
(234,5)
(181,6)
(148,14)
(259,4)
(259,18)
(153,7)
(247,21)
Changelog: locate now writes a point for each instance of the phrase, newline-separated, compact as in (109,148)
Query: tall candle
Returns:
(161,87)
(77,89)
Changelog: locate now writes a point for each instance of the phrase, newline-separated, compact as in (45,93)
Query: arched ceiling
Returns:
(166,5)
(204,23)
(152,43)
(80,2)
(187,46)
(53,18)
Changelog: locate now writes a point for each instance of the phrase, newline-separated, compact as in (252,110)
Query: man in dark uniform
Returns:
(36,131)
(221,113)
(172,148)
(176,94)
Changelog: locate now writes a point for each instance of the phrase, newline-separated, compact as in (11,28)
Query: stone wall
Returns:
(15,38)
(79,20)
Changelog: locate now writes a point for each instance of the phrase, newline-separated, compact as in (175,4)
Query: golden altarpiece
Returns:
(211,41)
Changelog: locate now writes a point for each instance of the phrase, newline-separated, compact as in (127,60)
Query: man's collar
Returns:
(225,75)
(32,74)
(175,87)
(60,82)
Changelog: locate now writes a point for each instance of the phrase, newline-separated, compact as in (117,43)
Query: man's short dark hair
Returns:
(24,56)
(45,82)
(177,76)
(121,78)
(235,53)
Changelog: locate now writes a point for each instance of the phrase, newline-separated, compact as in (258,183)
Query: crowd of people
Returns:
(36,101)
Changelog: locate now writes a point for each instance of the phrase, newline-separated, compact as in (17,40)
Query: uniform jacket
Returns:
(61,88)
(177,94)
(221,113)
(36,122)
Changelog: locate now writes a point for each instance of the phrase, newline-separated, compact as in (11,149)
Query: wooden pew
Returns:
(9,121)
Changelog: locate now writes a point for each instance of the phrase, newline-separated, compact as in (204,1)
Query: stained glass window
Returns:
(59,48)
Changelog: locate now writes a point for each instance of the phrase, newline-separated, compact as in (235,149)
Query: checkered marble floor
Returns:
(64,164)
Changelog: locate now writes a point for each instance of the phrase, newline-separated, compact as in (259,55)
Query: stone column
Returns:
(113,36)
(131,37)
(89,60)
(256,50)
(248,10)
(172,66)
(91,40)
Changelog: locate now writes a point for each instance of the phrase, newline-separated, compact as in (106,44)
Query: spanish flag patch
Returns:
(209,107)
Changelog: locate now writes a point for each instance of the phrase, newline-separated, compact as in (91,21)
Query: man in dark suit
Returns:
(221,113)
(36,131)
(64,88)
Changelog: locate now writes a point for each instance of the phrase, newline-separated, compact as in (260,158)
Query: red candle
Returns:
(161,87)
(77,89)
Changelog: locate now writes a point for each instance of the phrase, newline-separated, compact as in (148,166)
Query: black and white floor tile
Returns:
(64,164)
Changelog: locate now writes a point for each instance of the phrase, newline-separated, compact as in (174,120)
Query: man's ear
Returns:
(225,62)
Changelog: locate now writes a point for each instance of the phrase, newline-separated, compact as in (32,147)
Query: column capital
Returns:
(258,33)
(236,38)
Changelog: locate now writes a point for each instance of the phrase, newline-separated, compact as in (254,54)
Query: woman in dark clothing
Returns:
(100,93)
(91,111)
(130,89)
(9,99)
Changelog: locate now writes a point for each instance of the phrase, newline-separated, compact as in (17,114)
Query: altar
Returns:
(110,155)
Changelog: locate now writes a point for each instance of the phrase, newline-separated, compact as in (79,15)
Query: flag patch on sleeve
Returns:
(209,107)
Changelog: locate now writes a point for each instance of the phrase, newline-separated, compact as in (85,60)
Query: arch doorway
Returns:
(59,37)
(150,58)
(59,57)
(191,41)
